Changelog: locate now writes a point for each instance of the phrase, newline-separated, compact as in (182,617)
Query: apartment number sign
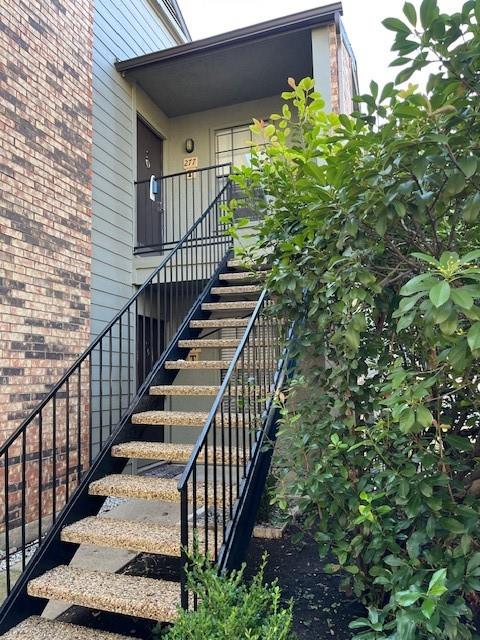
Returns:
(190,163)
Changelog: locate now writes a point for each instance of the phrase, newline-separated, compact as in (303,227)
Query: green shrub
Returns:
(373,224)
(230,609)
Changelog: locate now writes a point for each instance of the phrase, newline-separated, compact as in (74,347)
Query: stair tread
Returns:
(117,593)
(200,390)
(134,535)
(229,306)
(184,390)
(145,488)
(179,453)
(141,487)
(187,418)
(205,343)
(36,628)
(242,275)
(219,323)
(243,264)
(238,289)
(197,364)
(144,450)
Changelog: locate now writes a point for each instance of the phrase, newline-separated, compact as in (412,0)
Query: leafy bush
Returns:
(230,609)
(373,224)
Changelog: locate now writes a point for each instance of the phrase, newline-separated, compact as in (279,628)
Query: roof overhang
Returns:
(238,66)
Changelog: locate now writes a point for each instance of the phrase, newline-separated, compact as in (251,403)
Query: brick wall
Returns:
(45,195)
(45,204)
(341,73)
(333,44)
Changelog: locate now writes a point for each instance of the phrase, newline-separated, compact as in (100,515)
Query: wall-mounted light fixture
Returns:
(189,145)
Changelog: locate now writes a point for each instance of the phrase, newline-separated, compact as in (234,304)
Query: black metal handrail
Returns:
(228,447)
(45,458)
(161,221)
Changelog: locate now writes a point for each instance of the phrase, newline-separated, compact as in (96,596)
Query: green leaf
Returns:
(423,416)
(405,322)
(455,183)
(452,525)
(461,298)
(360,623)
(414,543)
(353,338)
(473,336)
(471,256)
(400,62)
(474,562)
(468,166)
(426,258)
(410,13)
(450,325)
(471,207)
(407,598)
(435,503)
(462,443)
(404,111)
(393,561)
(403,76)
(436,586)
(394,24)
(440,293)
(422,282)
(406,628)
(426,489)
(407,420)
(428,607)
(428,12)
(406,304)
(442,314)
(387,92)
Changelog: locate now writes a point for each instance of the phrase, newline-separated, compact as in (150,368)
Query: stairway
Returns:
(143,597)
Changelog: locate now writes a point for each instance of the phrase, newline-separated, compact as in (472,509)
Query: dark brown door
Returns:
(149,162)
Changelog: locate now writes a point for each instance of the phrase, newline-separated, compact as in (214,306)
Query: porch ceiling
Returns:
(234,67)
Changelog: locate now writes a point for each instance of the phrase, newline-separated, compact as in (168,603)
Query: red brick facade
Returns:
(45,196)
(341,73)
(334,79)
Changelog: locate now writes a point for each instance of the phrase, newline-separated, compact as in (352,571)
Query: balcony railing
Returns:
(167,206)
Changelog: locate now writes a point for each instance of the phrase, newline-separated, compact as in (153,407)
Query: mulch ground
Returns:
(321,611)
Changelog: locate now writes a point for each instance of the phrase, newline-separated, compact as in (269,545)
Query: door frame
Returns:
(140,116)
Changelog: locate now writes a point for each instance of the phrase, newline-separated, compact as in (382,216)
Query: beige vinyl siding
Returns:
(122,29)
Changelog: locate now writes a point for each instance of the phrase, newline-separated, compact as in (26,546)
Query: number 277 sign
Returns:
(190,163)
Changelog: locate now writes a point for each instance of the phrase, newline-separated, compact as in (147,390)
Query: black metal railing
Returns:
(166,205)
(214,483)
(47,456)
